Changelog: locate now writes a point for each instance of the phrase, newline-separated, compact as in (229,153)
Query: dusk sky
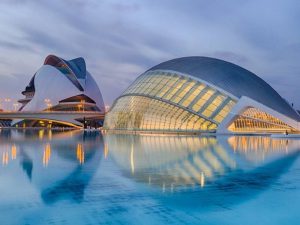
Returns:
(121,39)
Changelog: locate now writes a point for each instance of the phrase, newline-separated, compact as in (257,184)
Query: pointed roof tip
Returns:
(80,65)
(76,68)
(77,65)
(50,59)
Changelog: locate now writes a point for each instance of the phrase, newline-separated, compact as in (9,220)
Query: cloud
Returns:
(121,39)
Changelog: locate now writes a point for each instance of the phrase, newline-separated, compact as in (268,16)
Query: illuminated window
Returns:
(203,100)
(198,106)
(142,113)
(255,120)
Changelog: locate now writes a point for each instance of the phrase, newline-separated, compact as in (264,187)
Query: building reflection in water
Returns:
(175,163)
(170,161)
(59,164)
(256,148)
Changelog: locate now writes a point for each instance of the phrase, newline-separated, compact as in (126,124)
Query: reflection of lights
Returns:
(245,143)
(105,150)
(132,159)
(13,152)
(203,166)
(80,153)
(171,161)
(258,147)
(4,158)
(202,179)
(50,134)
(46,155)
(41,134)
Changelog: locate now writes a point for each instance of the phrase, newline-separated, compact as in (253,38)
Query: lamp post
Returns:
(7,100)
(16,106)
(48,103)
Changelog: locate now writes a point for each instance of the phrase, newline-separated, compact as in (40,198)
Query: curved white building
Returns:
(201,94)
(61,85)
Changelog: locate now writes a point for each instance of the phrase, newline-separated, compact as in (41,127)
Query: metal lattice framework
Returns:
(169,101)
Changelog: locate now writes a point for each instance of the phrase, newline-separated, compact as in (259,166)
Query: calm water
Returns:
(76,178)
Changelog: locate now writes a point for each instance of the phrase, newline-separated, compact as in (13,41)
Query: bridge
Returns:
(69,118)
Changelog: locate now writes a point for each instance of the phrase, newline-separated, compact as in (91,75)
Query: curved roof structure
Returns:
(74,69)
(231,78)
(62,85)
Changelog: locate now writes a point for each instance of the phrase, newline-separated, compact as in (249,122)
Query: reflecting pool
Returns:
(75,177)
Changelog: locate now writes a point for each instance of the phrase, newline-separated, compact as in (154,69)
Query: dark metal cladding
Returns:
(30,87)
(77,66)
(231,78)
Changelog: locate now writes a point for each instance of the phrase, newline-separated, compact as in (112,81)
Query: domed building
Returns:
(201,94)
(62,85)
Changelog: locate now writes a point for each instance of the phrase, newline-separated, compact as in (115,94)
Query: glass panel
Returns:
(187,87)
(255,120)
(169,84)
(143,113)
(213,105)
(193,95)
(175,88)
(178,89)
(197,106)
(224,111)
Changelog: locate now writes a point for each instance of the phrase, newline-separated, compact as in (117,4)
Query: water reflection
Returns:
(211,170)
(59,164)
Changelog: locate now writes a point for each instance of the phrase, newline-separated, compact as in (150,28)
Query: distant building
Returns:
(61,85)
(201,94)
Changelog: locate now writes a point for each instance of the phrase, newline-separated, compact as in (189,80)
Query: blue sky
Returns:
(121,39)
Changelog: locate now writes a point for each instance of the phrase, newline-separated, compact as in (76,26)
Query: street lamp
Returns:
(7,100)
(16,106)
(48,103)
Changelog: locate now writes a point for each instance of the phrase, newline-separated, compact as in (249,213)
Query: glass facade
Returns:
(255,120)
(160,100)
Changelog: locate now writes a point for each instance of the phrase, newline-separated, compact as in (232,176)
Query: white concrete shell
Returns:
(51,84)
(58,80)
